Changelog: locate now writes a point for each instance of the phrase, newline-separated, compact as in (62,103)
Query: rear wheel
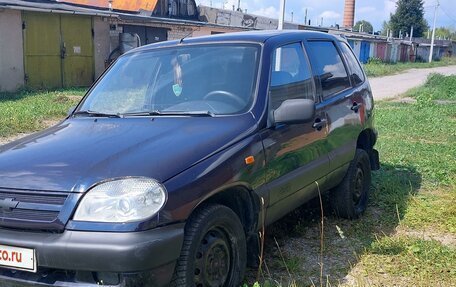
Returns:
(214,250)
(349,198)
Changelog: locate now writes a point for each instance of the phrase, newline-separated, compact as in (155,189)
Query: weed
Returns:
(377,68)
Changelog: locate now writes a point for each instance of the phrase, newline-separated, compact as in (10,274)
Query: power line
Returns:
(447,14)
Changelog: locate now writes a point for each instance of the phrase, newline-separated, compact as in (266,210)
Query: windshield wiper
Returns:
(171,113)
(95,114)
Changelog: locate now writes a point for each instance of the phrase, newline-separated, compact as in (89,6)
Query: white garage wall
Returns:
(11,50)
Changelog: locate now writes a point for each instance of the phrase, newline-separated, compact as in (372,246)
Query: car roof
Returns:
(248,37)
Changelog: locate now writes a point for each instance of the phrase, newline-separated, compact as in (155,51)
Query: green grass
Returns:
(417,184)
(377,68)
(437,87)
(28,111)
(409,261)
(407,236)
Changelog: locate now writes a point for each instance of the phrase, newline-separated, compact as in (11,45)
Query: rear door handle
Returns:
(356,107)
(319,124)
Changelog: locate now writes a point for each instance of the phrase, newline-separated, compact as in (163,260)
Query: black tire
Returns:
(214,250)
(349,198)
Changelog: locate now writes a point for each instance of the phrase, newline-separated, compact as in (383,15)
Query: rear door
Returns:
(341,102)
(295,153)
(78,69)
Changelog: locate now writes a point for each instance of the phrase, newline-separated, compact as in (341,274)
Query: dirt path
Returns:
(392,86)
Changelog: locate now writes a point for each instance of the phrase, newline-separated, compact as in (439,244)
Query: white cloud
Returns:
(366,9)
(389,8)
(329,15)
(270,12)
(375,11)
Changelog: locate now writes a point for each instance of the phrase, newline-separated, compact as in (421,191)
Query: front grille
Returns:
(36,215)
(35,198)
(34,209)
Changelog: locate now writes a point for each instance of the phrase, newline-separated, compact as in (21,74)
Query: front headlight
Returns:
(122,200)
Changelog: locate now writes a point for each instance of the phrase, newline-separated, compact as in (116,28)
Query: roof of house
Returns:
(137,5)
(136,18)
(53,6)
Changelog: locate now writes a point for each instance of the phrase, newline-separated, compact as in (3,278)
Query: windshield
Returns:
(210,79)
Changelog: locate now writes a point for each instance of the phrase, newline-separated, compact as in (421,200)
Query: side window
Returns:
(328,67)
(290,75)
(356,70)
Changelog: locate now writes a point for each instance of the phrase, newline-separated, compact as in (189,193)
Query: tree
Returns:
(367,27)
(385,28)
(408,13)
(444,33)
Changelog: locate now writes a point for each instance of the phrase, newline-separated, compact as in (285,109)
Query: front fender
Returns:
(222,171)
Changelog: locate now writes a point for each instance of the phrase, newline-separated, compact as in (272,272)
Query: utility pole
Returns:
(305,18)
(433,32)
(292,16)
(411,34)
(282,14)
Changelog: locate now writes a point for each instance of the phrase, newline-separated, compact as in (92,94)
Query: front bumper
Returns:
(147,256)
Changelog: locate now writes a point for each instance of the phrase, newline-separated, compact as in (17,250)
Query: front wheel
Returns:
(349,198)
(214,250)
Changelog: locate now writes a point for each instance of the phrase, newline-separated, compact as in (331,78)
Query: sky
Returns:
(374,11)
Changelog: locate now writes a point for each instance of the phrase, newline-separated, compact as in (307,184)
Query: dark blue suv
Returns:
(180,153)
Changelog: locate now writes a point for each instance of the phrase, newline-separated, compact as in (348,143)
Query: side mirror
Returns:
(71,110)
(295,111)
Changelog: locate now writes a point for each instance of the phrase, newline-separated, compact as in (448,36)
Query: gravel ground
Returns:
(389,87)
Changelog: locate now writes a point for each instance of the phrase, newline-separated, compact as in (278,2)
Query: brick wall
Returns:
(177,33)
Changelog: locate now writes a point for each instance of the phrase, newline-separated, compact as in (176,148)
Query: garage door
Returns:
(43,65)
(78,67)
(58,50)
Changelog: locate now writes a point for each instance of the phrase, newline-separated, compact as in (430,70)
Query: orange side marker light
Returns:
(249,160)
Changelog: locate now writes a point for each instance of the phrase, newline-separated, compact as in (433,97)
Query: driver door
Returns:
(295,153)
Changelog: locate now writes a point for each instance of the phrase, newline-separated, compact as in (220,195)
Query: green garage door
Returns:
(78,61)
(58,50)
(43,67)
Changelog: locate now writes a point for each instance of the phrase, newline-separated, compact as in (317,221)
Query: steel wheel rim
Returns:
(213,260)
(358,189)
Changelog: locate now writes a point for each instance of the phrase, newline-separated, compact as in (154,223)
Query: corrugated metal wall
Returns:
(382,51)
(364,52)
(404,55)
(393,52)
(373,50)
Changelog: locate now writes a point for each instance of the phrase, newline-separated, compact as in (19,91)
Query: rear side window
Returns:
(357,74)
(290,75)
(328,67)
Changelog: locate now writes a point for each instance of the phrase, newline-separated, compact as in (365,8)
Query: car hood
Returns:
(79,152)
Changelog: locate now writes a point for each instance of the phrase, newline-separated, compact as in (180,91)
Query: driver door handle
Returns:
(319,124)
(356,106)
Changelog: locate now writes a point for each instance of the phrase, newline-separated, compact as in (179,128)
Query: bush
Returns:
(375,61)
(437,87)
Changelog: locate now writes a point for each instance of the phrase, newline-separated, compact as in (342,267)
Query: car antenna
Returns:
(183,38)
